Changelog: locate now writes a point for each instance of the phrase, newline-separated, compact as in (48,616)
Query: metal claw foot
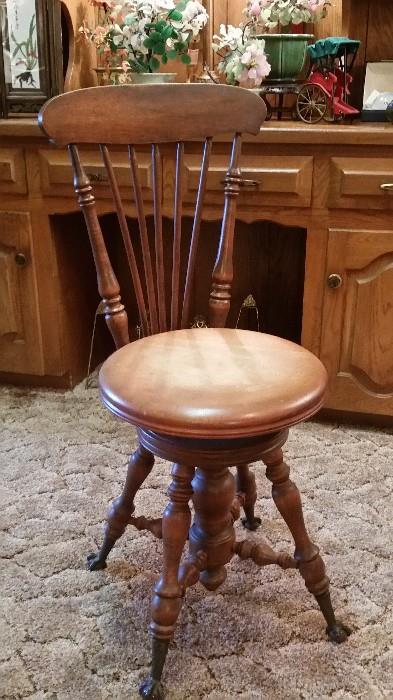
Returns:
(336,631)
(339,633)
(251,525)
(94,563)
(151,689)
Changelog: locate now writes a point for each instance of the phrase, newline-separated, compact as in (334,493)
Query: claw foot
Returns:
(151,689)
(339,633)
(251,524)
(94,563)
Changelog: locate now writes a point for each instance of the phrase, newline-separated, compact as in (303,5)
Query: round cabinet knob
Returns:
(20,259)
(334,281)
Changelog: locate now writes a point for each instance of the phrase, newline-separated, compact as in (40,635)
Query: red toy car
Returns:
(325,93)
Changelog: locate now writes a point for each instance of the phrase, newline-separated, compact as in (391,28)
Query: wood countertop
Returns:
(274,132)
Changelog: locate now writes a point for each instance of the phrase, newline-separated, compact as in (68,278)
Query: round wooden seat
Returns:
(213,382)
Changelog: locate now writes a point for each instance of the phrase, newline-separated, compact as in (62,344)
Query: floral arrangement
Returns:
(271,13)
(140,35)
(243,58)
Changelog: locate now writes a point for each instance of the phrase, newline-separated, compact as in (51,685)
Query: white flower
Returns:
(165,5)
(127,24)
(244,60)
(273,12)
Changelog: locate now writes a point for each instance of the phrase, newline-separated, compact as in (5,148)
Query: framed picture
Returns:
(30,36)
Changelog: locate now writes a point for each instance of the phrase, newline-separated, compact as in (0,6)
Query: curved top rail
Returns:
(155,113)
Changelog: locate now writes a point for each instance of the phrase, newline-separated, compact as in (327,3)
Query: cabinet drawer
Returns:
(12,171)
(358,183)
(56,173)
(280,179)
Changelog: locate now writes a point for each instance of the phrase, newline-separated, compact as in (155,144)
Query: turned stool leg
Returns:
(287,499)
(212,530)
(168,591)
(139,467)
(245,483)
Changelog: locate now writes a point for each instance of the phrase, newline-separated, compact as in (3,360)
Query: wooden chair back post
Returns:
(108,286)
(220,295)
(195,232)
(135,115)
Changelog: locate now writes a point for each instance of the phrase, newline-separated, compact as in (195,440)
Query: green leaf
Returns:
(172,53)
(180,45)
(167,33)
(164,59)
(154,64)
(160,25)
(185,58)
(149,43)
(176,16)
(159,49)
(155,36)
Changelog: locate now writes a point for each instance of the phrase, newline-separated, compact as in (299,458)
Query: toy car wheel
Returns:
(331,117)
(311,104)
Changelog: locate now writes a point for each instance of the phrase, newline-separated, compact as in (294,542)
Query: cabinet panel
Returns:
(357,332)
(56,173)
(281,180)
(12,171)
(20,346)
(361,183)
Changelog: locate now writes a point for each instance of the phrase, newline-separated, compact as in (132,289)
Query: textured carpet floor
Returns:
(68,634)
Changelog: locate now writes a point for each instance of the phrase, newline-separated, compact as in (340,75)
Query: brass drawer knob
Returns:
(387,187)
(20,259)
(334,281)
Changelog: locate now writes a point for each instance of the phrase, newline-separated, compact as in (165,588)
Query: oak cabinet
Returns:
(314,240)
(56,173)
(20,342)
(361,183)
(278,180)
(357,320)
(12,171)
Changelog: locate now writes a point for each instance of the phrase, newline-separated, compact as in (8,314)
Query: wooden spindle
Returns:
(108,286)
(160,275)
(220,295)
(195,232)
(125,232)
(147,262)
(177,221)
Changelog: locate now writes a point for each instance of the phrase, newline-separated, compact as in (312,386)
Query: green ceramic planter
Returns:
(287,55)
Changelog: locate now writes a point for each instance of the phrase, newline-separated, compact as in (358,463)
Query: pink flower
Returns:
(315,5)
(255,9)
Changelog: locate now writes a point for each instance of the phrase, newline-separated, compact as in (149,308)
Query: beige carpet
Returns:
(68,634)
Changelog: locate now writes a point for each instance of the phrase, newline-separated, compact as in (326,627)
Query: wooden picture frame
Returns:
(30,55)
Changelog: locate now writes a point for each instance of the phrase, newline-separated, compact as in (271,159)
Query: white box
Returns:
(378,86)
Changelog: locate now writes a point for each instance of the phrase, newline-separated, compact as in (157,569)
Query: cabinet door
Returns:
(357,324)
(20,342)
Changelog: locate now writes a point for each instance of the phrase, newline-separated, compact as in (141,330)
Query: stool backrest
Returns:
(134,115)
